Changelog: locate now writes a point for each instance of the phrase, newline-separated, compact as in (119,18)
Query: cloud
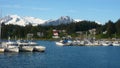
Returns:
(23,7)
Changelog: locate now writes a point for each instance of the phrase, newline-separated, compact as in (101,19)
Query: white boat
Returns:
(30,46)
(77,42)
(97,43)
(24,46)
(116,43)
(60,43)
(88,43)
(37,47)
(10,46)
(12,49)
(106,43)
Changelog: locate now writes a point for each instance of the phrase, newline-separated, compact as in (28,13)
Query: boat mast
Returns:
(0,23)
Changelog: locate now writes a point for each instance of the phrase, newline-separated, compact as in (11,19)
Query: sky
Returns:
(93,10)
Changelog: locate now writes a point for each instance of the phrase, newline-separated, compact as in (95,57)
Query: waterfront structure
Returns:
(55,34)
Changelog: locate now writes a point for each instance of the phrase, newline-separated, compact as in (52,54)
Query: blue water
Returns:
(63,57)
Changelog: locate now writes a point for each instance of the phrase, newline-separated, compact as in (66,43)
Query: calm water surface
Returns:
(63,57)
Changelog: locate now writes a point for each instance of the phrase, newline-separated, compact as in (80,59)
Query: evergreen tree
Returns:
(110,28)
(117,24)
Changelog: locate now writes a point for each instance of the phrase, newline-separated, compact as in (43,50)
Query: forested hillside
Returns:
(112,29)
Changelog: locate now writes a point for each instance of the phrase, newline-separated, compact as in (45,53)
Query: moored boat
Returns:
(12,49)
(10,46)
(24,46)
(106,43)
(116,43)
(37,47)
(65,42)
(59,43)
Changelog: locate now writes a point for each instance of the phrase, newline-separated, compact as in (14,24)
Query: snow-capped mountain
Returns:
(61,20)
(78,20)
(22,21)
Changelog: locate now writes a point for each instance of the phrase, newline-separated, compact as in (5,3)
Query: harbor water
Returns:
(64,57)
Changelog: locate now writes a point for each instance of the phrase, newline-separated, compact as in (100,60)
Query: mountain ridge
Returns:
(23,21)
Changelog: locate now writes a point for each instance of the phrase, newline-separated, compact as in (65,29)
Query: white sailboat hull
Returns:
(26,48)
(12,49)
(116,44)
(59,43)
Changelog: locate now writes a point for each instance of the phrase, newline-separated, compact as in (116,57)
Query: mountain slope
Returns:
(22,21)
(61,20)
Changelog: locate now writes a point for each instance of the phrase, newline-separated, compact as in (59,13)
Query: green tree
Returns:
(117,24)
(110,28)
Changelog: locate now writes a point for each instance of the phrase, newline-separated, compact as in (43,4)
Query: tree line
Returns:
(112,29)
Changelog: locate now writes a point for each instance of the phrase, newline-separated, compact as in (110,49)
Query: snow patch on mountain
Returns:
(61,20)
(78,20)
(22,21)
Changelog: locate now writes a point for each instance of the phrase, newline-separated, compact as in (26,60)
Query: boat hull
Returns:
(26,48)
(60,44)
(116,44)
(11,49)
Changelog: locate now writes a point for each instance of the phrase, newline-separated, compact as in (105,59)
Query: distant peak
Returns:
(14,16)
(64,17)
(77,20)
